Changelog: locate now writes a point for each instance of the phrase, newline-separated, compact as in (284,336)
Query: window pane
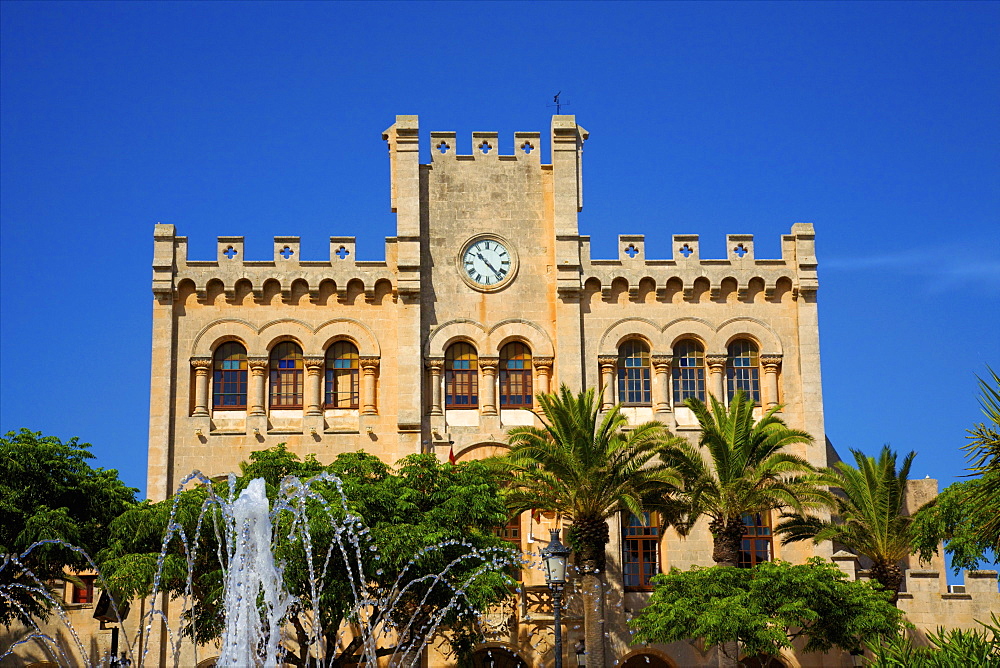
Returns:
(640,549)
(229,376)
(743,369)
(515,376)
(633,374)
(342,376)
(461,376)
(689,371)
(758,543)
(286,375)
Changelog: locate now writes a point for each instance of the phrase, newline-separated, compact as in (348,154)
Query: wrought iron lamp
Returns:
(555,555)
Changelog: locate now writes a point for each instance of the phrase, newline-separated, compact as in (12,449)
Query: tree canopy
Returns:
(869,517)
(766,608)
(748,470)
(49,491)
(401,512)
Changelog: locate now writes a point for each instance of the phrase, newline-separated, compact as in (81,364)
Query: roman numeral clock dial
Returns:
(487,262)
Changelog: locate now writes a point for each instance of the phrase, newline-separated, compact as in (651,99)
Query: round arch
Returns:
(480,450)
(345,328)
(457,330)
(497,656)
(517,329)
(647,658)
(221,331)
(688,328)
(629,328)
(743,327)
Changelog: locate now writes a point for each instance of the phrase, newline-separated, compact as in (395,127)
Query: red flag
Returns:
(451,456)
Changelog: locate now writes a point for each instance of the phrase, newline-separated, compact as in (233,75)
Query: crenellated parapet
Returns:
(235,277)
(740,275)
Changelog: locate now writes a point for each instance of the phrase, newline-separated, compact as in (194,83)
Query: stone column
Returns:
(543,371)
(661,387)
(313,399)
(436,366)
(716,370)
(488,387)
(771,364)
(607,363)
(258,383)
(202,368)
(369,369)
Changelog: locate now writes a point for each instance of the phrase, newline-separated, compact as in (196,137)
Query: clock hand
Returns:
(487,263)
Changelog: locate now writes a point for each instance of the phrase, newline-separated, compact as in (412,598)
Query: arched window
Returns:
(758,540)
(515,376)
(689,371)
(640,550)
(633,373)
(461,376)
(229,389)
(286,375)
(342,375)
(743,369)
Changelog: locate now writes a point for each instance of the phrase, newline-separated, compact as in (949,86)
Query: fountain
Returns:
(257,543)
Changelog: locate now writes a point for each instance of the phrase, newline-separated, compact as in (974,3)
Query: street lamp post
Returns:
(554,555)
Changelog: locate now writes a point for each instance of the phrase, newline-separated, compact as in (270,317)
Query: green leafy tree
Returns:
(966,515)
(587,467)
(49,491)
(766,608)
(869,518)
(417,505)
(748,470)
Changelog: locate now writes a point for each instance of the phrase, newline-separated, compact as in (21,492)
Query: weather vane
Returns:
(558,104)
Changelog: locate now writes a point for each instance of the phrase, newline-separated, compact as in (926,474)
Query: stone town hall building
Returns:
(487,296)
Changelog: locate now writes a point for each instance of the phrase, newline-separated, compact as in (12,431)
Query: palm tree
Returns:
(869,514)
(588,468)
(983,452)
(747,471)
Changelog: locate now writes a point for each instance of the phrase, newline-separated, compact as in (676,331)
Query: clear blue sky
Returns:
(879,123)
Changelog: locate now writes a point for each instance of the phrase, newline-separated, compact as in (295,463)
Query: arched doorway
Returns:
(497,657)
(761,661)
(645,661)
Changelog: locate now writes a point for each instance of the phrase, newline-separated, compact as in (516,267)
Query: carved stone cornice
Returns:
(369,362)
(434,364)
(607,360)
(313,363)
(489,364)
(662,360)
(201,363)
(771,359)
(542,363)
(716,359)
(257,364)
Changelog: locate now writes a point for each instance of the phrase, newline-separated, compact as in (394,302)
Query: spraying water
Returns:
(384,623)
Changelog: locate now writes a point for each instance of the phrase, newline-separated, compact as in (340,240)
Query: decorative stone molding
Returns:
(313,363)
(258,365)
(770,359)
(714,360)
(200,363)
(661,361)
(369,364)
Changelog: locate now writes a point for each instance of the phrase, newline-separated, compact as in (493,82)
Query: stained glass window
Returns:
(229,386)
(461,376)
(342,375)
(286,375)
(515,376)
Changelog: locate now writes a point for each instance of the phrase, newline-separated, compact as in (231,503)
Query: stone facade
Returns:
(581,320)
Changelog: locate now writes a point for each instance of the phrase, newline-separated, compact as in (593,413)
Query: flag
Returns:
(451,456)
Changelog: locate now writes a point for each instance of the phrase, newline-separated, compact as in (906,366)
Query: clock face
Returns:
(487,262)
